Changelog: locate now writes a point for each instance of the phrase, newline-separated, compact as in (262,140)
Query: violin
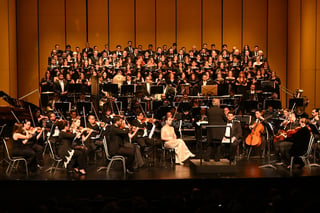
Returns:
(284,134)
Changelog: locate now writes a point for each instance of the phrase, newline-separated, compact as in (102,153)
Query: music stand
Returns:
(64,107)
(275,103)
(268,141)
(184,106)
(83,105)
(112,88)
(162,111)
(267,86)
(156,90)
(297,101)
(127,89)
(74,88)
(209,90)
(250,105)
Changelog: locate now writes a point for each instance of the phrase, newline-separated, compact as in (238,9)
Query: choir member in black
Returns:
(118,136)
(74,157)
(232,136)
(19,148)
(60,87)
(215,135)
(296,143)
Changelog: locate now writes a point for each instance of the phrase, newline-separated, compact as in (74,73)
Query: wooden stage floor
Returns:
(160,185)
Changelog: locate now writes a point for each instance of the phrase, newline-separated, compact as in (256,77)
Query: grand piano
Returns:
(16,112)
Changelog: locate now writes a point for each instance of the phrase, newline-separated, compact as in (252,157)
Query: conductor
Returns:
(215,135)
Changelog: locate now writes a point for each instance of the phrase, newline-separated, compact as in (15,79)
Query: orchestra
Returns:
(92,95)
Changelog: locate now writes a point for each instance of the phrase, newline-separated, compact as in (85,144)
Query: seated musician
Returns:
(255,130)
(181,150)
(291,123)
(233,138)
(93,142)
(19,148)
(141,137)
(296,143)
(33,142)
(79,144)
(118,135)
(74,159)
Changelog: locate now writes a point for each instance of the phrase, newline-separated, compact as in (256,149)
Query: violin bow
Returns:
(34,124)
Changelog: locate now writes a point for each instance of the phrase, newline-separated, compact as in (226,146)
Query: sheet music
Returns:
(152,131)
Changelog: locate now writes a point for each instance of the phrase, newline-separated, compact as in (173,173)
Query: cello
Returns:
(254,138)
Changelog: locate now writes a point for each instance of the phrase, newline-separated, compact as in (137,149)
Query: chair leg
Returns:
(124,167)
(109,166)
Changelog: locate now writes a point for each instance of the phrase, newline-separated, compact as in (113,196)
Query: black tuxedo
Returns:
(216,116)
(116,144)
(88,50)
(236,131)
(129,50)
(58,89)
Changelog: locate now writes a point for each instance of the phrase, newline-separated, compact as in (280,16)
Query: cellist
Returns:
(257,137)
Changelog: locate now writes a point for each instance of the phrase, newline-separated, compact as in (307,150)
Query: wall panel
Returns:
(13,48)
(145,22)
(27,55)
(317,78)
(98,23)
(232,23)
(51,30)
(189,23)
(212,22)
(76,23)
(255,23)
(121,20)
(4,42)
(277,40)
(165,22)
(294,47)
(308,53)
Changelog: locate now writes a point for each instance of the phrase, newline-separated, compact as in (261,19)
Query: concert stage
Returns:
(161,187)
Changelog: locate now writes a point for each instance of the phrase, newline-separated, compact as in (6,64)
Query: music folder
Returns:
(209,90)
(127,89)
(156,90)
(113,88)
(74,88)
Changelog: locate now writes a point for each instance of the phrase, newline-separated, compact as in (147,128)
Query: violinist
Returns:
(19,147)
(288,125)
(141,137)
(35,133)
(91,143)
(118,135)
(296,143)
(74,159)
